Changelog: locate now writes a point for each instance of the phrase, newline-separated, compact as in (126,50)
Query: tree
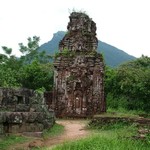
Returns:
(36,75)
(32,46)
(132,82)
(7,50)
(9,66)
(31,51)
(32,70)
(37,71)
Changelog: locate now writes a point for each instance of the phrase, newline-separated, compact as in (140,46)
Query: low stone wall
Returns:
(14,122)
(24,110)
(102,120)
(143,124)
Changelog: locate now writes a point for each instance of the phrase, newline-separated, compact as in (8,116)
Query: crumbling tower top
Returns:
(81,34)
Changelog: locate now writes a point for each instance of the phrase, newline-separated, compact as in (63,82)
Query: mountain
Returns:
(113,56)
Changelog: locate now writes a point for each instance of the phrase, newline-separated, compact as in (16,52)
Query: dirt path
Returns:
(74,129)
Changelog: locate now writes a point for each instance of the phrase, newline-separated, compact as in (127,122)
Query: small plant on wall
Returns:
(65,52)
(71,78)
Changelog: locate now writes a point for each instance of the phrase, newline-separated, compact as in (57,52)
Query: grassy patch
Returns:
(97,142)
(10,140)
(119,132)
(110,123)
(121,112)
(112,126)
(117,138)
(56,130)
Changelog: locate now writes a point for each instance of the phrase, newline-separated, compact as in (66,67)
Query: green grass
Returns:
(113,126)
(10,140)
(121,112)
(56,130)
(5,142)
(112,139)
(123,131)
(97,142)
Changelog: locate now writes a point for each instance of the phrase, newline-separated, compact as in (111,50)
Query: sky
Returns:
(124,24)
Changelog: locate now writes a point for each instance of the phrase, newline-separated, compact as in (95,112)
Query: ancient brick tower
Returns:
(79,71)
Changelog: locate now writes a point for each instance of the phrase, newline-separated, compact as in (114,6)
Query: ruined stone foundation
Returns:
(23,110)
(79,71)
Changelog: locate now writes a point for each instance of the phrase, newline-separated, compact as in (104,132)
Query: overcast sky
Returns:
(124,24)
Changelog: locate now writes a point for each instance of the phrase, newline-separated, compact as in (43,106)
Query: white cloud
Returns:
(121,23)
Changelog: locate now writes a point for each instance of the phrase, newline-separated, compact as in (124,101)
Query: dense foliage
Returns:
(128,86)
(32,70)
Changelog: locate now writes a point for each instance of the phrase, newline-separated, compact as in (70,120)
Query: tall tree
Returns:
(31,51)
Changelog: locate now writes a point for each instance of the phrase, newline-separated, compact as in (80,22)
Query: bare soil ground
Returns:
(74,129)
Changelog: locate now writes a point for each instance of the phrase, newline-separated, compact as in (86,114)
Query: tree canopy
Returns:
(130,83)
(32,70)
